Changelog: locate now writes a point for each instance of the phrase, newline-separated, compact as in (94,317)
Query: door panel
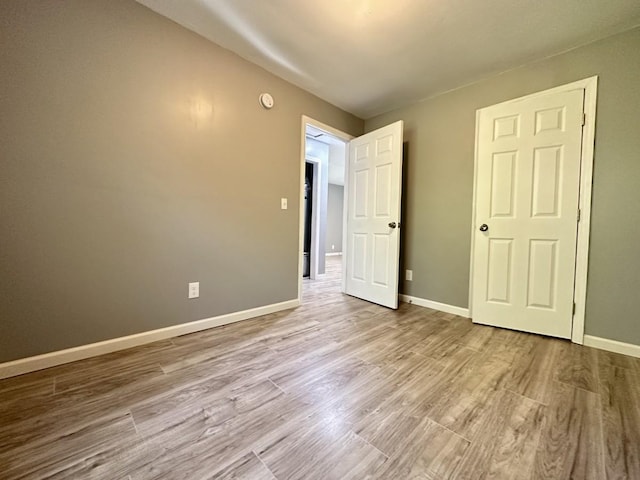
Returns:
(359,256)
(542,273)
(381,255)
(374,190)
(527,189)
(361,194)
(547,169)
(503,171)
(383,190)
(499,270)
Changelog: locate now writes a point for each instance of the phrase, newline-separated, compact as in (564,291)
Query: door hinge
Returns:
(584,119)
(579,214)
(573,312)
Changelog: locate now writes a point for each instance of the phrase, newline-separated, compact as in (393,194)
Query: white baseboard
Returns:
(589,340)
(612,345)
(443,307)
(333,254)
(47,360)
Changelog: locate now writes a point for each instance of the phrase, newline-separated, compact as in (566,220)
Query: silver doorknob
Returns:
(392,225)
(484,227)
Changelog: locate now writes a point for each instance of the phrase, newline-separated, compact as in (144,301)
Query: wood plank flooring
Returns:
(335,389)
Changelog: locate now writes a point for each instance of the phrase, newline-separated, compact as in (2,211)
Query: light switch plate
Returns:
(194,289)
(283,203)
(409,275)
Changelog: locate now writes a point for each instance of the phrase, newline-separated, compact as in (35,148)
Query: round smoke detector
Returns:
(266,100)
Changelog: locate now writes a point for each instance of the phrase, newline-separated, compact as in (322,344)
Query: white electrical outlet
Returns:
(409,275)
(283,203)
(194,289)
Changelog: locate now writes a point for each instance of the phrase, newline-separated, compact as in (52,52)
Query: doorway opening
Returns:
(322,204)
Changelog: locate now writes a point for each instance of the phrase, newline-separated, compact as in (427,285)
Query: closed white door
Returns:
(373,216)
(526,213)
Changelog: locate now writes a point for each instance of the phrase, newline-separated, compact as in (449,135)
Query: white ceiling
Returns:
(370,56)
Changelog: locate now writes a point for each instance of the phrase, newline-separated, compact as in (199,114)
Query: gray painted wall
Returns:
(439,180)
(115,193)
(335,205)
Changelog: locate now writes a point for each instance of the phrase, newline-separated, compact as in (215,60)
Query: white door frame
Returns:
(590,86)
(314,234)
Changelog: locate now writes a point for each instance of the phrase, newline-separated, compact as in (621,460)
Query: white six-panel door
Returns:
(526,213)
(373,215)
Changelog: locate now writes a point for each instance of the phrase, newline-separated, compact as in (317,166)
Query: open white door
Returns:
(526,213)
(373,216)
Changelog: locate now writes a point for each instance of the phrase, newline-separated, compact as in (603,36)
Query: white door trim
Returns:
(590,86)
(303,158)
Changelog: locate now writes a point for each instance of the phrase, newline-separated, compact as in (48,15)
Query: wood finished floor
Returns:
(336,389)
